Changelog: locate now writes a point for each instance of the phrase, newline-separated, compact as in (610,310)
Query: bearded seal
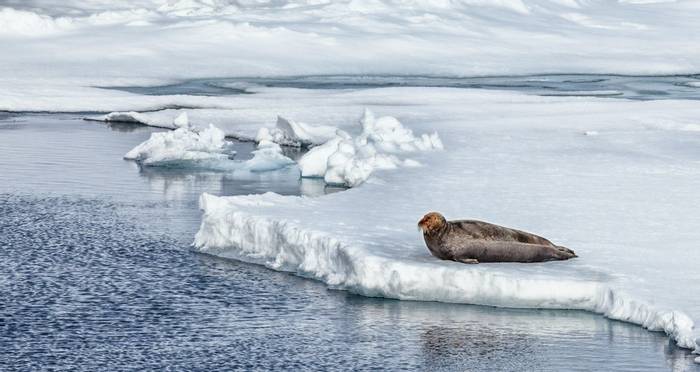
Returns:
(471,242)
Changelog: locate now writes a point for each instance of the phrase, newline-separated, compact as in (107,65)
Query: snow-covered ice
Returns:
(228,120)
(181,145)
(292,133)
(623,199)
(510,158)
(149,42)
(337,157)
(315,162)
(182,121)
(267,157)
(163,38)
(348,161)
(207,148)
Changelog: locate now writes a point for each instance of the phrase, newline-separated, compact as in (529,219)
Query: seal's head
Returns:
(432,222)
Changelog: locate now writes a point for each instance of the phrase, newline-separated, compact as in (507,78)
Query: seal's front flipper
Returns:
(468,260)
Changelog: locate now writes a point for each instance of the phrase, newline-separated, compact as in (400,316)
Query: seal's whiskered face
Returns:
(431,222)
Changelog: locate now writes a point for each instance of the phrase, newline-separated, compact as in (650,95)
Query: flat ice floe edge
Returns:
(228,231)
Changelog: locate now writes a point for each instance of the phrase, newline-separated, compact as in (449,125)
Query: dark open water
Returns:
(584,85)
(98,274)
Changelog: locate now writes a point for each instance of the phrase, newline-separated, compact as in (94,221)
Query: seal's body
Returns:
(471,241)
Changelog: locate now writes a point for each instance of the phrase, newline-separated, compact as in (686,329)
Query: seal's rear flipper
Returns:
(565,253)
(468,260)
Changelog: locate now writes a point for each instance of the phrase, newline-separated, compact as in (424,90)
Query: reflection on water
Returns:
(68,155)
(294,153)
(193,88)
(7,117)
(178,183)
(98,273)
(593,85)
(502,348)
(124,127)
(514,339)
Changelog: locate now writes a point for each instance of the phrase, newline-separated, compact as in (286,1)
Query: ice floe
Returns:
(182,121)
(336,157)
(229,230)
(315,162)
(512,159)
(150,38)
(206,149)
(292,133)
(348,161)
(181,145)
(267,157)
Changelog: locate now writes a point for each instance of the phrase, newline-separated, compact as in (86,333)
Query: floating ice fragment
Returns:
(292,133)
(315,162)
(182,121)
(267,157)
(181,144)
(350,161)
(204,149)
(389,135)
(255,228)
(126,117)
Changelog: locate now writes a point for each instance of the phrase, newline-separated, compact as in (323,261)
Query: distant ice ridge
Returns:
(131,117)
(19,22)
(348,161)
(227,230)
(239,121)
(246,37)
(196,118)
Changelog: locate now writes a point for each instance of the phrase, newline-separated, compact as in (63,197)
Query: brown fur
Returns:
(471,241)
(431,222)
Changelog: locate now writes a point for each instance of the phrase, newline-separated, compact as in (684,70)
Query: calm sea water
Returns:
(98,274)
(585,85)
